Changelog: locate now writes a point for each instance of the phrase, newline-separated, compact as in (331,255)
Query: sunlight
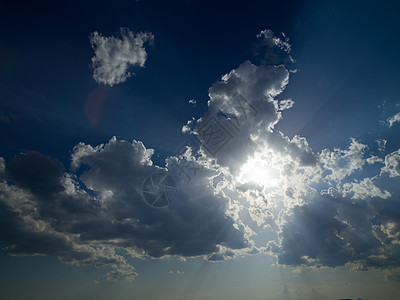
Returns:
(259,171)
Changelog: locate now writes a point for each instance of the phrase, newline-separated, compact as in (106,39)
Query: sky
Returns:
(199,150)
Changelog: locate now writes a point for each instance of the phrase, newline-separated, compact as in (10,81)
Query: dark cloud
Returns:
(36,172)
(46,211)
(94,213)
(243,106)
(333,231)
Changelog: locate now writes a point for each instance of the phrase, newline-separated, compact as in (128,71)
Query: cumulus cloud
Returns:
(114,56)
(343,226)
(96,208)
(356,224)
(392,164)
(342,163)
(364,189)
(241,104)
(240,180)
(85,219)
(333,231)
(252,180)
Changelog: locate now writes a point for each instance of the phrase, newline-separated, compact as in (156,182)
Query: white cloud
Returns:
(286,104)
(354,223)
(342,163)
(374,159)
(272,49)
(364,189)
(394,119)
(392,164)
(242,105)
(114,56)
(381,144)
(94,213)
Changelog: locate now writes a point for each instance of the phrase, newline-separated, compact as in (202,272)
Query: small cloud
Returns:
(381,144)
(392,164)
(393,119)
(285,104)
(273,49)
(374,159)
(188,126)
(177,272)
(114,56)
(193,102)
(343,163)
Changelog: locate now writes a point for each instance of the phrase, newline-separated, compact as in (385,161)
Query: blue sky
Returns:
(295,197)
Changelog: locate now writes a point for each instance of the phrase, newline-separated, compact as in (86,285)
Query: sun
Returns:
(259,171)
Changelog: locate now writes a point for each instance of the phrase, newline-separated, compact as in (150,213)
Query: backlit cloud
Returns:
(241,180)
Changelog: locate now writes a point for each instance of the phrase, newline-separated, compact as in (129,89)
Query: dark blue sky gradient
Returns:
(342,52)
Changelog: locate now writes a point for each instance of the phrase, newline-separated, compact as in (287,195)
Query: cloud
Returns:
(272,49)
(364,189)
(392,164)
(2,167)
(193,102)
(358,226)
(177,272)
(38,214)
(381,144)
(343,163)
(114,56)
(220,256)
(374,159)
(355,224)
(87,215)
(96,208)
(36,172)
(241,104)
(285,104)
(317,209)
(393,119)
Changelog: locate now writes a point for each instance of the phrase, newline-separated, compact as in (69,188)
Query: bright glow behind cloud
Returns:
(317,208)
(259,171)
